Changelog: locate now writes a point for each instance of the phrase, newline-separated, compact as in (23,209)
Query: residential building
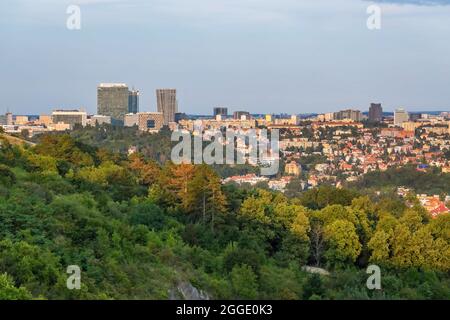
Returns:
(222,111)
(113,101)
(21,120)
(400,116)
(375,112)
(145,121)
(98,120)
(241,115)
(69,117)
(349,114)
(292,168)
(45,120)
(133,101)
(9,119)
(167,104)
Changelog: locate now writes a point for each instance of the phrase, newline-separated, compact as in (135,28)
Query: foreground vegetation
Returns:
(138,228)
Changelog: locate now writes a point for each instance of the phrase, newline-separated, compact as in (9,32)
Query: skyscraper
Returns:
(400,116)
(167,104)
(133,101)
(375,112)
(112,100)
(221,111)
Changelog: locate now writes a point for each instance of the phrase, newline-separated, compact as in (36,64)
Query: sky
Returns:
(262,56)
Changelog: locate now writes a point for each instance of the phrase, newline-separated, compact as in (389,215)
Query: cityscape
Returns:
(346,144)
(231,158)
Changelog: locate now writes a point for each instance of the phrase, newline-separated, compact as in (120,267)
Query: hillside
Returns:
(139,230)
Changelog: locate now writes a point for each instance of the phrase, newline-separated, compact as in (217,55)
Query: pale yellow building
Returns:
(45,120)
(292,168)
(21,120)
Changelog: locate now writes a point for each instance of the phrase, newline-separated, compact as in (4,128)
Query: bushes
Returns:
(244,282)
(9,292)
(7,177)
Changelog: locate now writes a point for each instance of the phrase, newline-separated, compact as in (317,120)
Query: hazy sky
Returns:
(264,56)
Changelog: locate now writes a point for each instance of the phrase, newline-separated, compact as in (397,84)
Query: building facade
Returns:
(21,120)
(375,112)
(112,100)
(238,115)
(167,104)
(98,120)
(292,168)
(133,101)
(145,121)
(400,116)
(349,114)
(220,111)
(69,117)
(45,120)
(9,119)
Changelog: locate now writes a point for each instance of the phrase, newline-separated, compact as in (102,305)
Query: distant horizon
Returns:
(298,56)
(230,114)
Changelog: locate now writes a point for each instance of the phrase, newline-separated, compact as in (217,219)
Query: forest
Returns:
(139,227)
(430,182)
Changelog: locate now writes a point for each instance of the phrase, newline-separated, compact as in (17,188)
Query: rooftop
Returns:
(113,85)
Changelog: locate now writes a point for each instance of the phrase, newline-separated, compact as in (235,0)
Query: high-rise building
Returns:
(400,116)
(9,119)
(375,112)
(349,114)
(167,104)
(220,111)
(239,115)
(70,117)
(133,101)
(112,100)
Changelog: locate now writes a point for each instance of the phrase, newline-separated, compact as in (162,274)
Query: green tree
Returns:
(9,292)
(343,242)
(244,282)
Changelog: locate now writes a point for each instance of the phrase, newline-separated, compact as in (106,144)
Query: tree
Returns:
(343,243)
(296,242)
(180,177)
(317,243)
(148,171)
(379,245)
(313,287)
(7,177)
(9,292)
(204,194)
(243,280)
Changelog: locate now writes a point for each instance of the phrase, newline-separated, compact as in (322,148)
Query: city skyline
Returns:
(288,56)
